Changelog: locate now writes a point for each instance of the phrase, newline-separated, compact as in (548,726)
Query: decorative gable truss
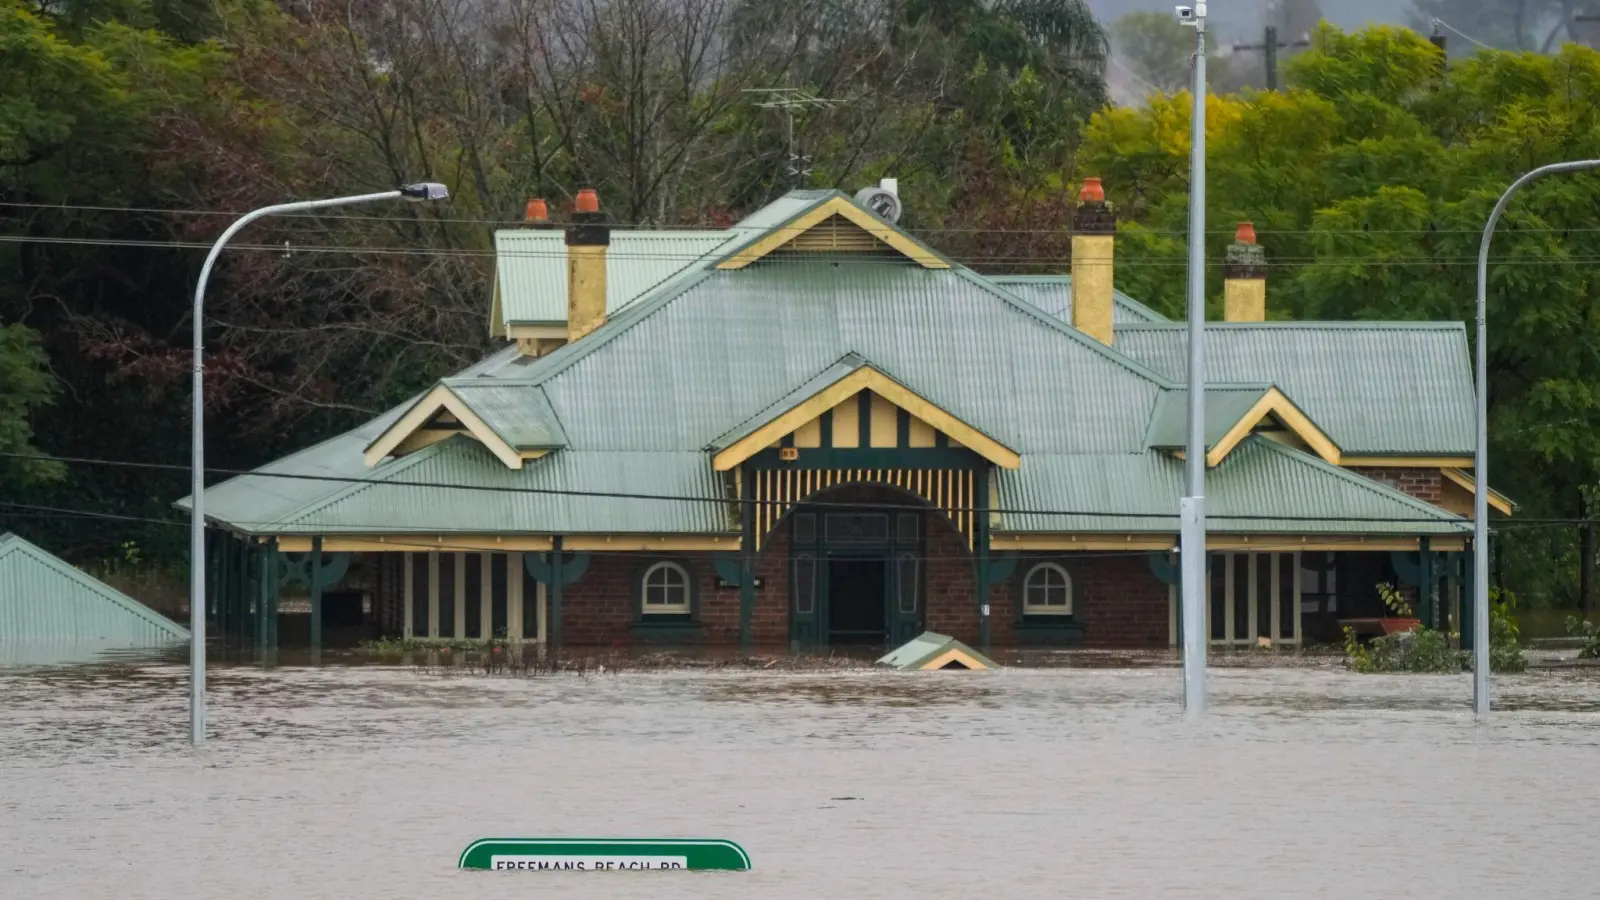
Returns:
(1233,413)
(513,420)
(854,405)
(834,225)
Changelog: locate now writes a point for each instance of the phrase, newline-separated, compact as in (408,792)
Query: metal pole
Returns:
(1480,459)
(1193,523)
(197,517)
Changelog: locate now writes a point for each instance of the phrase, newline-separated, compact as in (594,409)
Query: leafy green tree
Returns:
(1369,181)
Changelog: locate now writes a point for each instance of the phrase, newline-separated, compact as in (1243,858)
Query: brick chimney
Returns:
(588,236)
(1245,274)
(1094,230)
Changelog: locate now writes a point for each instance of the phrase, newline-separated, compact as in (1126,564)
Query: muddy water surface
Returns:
(356,782)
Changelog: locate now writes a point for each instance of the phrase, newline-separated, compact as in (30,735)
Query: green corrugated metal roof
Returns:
(706,352)
(842,367)
(1225,406)
(531,268)
(1260,479)
(1390,388)
(517,411)
(520,500)
(44,599)
(677,371)
(1053,294)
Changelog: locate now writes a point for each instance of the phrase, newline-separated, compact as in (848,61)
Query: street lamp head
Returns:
(426,190)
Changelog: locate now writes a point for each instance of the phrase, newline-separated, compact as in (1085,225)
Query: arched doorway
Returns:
(858,566)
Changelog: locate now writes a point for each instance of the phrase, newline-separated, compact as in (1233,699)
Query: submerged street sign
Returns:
(602,854)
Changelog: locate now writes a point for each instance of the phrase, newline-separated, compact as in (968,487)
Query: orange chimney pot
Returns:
(537,211)
(1092,192)
(1246,233)
(588,201)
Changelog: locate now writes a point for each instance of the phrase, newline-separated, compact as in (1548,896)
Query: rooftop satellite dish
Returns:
(882,202)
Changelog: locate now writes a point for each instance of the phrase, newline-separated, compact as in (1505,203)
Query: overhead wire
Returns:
(674,498)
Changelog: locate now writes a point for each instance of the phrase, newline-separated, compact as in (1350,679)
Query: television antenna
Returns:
(789,101)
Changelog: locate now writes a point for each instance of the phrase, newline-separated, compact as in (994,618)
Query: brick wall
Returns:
(1121,603)
(1424,484)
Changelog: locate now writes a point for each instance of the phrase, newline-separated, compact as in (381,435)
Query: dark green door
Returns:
(809,580)
(904,597)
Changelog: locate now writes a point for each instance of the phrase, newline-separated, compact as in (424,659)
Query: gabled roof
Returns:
(844,379)
(1262,487)
(825,210)
(1053,294)
(1232,413)
(530,286)
(1391,388)
(513,419)
(44,599)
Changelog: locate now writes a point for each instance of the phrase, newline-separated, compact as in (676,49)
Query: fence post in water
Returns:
(1425,585)
(316,599)
(556,578)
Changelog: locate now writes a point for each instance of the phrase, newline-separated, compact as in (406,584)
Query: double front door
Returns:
(856,578)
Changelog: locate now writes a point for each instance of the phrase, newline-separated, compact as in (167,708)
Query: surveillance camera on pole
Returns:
(1192,509)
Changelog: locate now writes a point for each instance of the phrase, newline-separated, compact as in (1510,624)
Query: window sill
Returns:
(666,627)
(1049,630)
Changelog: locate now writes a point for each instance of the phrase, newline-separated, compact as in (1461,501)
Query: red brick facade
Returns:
(1424,484)
(1118,600)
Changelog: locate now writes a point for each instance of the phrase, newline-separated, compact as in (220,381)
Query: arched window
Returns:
(666,590)
(1047,591)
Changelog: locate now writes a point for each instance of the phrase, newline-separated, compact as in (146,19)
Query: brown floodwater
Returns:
(349,781)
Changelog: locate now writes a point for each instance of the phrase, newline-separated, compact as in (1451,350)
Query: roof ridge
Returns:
(1328,325)
(1106,350)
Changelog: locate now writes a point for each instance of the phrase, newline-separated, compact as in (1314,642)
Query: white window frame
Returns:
(1029,608)
(665,609)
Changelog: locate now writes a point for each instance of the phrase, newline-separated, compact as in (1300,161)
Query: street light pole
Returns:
(197,517)
(1480,458)
(1192,537)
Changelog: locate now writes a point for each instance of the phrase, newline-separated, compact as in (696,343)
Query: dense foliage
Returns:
(132,130)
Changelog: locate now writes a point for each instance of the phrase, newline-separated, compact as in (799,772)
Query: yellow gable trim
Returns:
(884,386)
(441,397)
(1273,402)
(838,206)
(1470,485)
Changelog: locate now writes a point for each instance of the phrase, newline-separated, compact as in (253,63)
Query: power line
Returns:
(724,501)
(513,224)
(1028,261)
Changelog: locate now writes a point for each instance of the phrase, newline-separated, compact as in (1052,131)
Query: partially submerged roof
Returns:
(1390,388)
(43,598)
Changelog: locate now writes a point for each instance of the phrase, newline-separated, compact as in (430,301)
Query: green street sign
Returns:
(602,854)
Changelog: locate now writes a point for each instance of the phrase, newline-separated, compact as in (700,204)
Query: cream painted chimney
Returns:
(1245,273)
(1094,231)
(587,239)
